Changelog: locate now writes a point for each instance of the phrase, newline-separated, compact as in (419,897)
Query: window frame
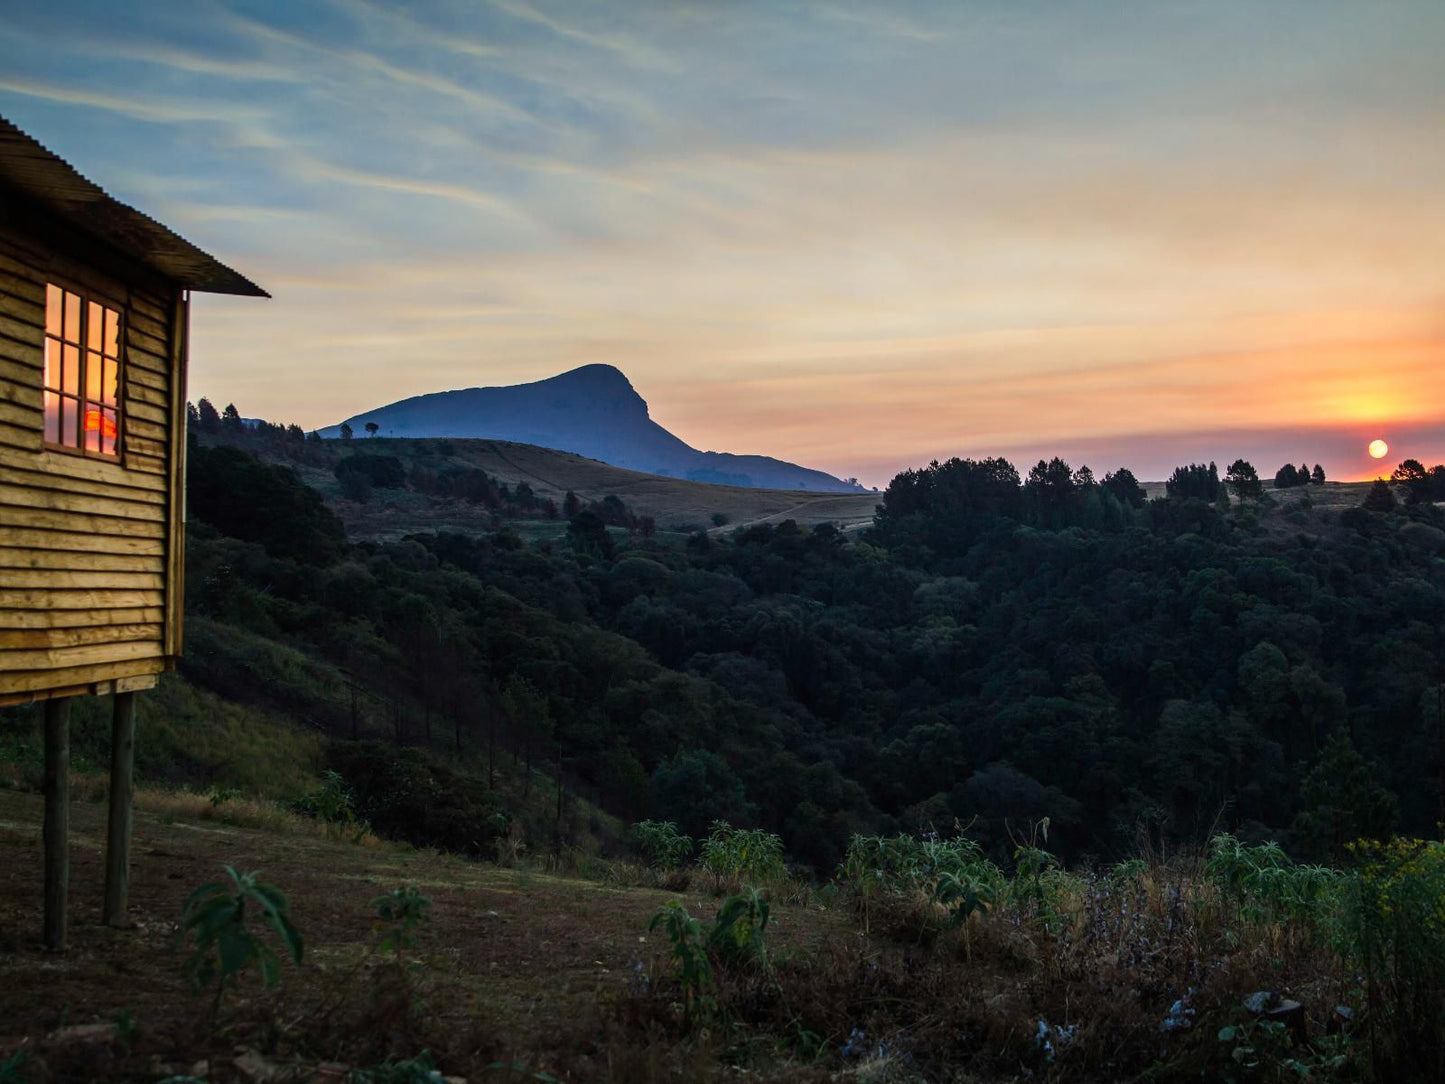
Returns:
(88,295)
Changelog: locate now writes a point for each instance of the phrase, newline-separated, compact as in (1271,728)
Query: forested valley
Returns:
(996,650)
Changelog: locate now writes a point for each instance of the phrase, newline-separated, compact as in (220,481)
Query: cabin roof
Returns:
(41,175)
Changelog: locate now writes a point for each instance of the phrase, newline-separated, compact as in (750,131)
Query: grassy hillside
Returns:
(676,504)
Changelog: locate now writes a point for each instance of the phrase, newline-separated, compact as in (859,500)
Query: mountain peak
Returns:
(592,410)
(598,375)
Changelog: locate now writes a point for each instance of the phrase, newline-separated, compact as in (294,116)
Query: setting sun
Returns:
(1379,449)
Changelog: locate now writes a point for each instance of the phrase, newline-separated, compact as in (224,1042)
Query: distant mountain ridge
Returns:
(593,411)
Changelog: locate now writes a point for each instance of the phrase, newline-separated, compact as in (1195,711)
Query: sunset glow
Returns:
(857,237)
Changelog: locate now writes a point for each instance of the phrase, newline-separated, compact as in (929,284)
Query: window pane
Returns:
(53,295)
(70,373)
(52,417)
(71,370)
(92,427)
(112,333)
(72,317)
(94,325)
(52,363)
(108,382)
(109,430)
(93,375)
(68,434)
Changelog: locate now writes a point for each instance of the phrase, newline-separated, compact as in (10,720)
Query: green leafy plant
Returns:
(689,952)
(952,874)
(399,914)
(334,803)
(1267,887)
(418,1070)
(662,843)
(742,854)
(1392,933)
(962,892)
(1130,869)
(126,1030)
(12,1069)
(1264,1050)
(737,933)
(215,917)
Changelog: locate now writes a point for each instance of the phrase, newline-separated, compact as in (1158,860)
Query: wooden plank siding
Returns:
(91,557)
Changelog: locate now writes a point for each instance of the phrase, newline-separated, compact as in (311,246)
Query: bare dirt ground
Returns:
(514,967)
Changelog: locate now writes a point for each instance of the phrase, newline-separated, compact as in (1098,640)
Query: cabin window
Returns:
(82,373)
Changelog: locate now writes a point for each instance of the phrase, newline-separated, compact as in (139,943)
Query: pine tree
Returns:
(1244,480)
(1318,476)
(1381,497)
(210,421)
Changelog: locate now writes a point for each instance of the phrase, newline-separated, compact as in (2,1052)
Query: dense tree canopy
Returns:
(995,649)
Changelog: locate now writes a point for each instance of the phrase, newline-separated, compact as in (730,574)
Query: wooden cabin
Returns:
(94,303)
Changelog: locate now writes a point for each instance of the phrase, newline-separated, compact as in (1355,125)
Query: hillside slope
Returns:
(593,411)
(674,503)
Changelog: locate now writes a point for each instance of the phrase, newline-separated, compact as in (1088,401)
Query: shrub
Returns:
(1392,932)
(405,794)
(665,847)
(950,875)
(739,855)
(1267,887)
(381,471)
(332,803)
(737,933)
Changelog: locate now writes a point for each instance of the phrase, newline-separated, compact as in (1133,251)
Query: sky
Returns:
(854,236)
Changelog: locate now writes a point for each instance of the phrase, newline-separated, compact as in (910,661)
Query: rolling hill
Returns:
(675,503)
(592,411)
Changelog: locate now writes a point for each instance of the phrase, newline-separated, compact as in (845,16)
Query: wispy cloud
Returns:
(856,232)
(156,110)
(623,46)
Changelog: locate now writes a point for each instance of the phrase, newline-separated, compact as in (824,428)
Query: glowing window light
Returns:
(82,373)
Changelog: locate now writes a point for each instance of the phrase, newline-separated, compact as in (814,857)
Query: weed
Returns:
(1267,887)
(737,933)
(12,1069)
(418,1070)
(399,913)
(948,876)
(126,1030)
(742,855)
(689,951)
(665,847)
(215,915)
(1263,1050)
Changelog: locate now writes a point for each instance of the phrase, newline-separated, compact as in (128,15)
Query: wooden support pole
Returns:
(122,794)
(56,834)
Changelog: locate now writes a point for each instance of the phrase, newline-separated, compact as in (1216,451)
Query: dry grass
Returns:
(563,975)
